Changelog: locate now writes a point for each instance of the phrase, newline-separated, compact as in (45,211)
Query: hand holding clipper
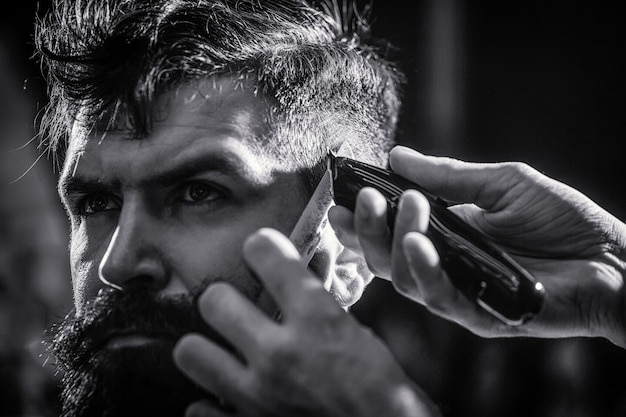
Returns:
(478,267)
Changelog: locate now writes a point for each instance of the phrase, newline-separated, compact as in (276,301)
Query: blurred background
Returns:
(535,81)
(34,277)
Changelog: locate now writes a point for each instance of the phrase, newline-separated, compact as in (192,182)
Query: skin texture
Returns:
(173,211)
(567,242)
(148,224)
(316,362)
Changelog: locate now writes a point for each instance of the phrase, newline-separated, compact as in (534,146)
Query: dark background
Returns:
(535,81)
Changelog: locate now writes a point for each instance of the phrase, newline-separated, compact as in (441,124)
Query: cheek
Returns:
(84,262)
(198,259)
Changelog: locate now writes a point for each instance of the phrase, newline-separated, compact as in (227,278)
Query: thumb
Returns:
(454,180)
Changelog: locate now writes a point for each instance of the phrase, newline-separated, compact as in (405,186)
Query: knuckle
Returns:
(280,355)
(518,170)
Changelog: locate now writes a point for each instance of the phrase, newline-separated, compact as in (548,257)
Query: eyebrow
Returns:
(223,163)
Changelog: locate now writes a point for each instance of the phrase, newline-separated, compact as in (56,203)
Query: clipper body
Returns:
(478,267)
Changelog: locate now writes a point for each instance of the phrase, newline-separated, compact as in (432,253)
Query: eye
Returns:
(200,192)
(97,203)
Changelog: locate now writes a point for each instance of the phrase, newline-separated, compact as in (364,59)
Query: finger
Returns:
(205,408)
(437,292)
(370,223)
(413,213)
(423,270)
(235,317)
(456,180)
(341,219)
(413,216)
(277,264)
(210,366)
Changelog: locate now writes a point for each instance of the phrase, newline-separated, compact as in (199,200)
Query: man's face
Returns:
(172,210)
(156,220)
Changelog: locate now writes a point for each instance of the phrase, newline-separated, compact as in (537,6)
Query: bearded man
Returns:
(191,135)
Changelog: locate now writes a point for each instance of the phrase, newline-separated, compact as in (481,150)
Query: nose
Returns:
(133,254)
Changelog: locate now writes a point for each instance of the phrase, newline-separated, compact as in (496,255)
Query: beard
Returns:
(134,380)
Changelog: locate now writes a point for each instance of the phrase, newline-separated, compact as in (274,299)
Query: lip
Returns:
(134,340)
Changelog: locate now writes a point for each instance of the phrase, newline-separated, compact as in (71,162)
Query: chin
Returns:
(134,380)
(116,356)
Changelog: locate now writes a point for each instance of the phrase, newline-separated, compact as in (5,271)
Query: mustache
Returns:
(138,309)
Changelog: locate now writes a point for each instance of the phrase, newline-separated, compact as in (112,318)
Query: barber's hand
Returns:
(319,361)
(565,240)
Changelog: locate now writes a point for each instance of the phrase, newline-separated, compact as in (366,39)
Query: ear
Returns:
(350,277)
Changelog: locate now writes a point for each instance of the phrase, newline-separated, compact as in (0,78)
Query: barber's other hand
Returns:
(565,240)
(318,361)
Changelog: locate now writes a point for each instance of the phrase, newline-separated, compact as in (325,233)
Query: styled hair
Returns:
(326,79)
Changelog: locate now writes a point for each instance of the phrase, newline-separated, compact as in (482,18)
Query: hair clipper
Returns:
(476,266)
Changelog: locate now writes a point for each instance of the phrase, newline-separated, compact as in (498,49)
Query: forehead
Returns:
(216,116)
